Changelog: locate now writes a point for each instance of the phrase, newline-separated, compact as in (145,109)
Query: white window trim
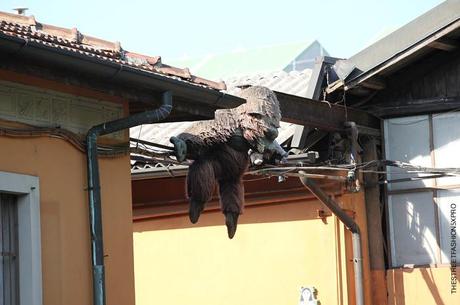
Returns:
(29,236)
(393,261)
(435,188)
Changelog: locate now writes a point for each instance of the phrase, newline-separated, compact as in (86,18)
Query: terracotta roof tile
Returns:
(27,27)
(143,59)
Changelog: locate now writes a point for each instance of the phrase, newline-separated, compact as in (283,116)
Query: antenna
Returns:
(21,10)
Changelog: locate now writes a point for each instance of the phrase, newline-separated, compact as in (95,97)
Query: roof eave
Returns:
(113,71)
(405,54)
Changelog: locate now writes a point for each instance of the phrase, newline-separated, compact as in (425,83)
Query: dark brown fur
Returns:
(220,147)
(225,166)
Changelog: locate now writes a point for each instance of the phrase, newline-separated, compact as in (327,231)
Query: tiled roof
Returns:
(28,28)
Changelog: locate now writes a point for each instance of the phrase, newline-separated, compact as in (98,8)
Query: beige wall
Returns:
(427,286)
(65,221)
(276,250)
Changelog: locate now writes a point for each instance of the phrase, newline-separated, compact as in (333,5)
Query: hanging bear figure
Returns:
(220,150)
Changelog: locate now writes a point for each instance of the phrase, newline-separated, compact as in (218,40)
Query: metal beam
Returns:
(314,90)
(323,115)
(318,75)
(374,83)
(444,44)
(414,107)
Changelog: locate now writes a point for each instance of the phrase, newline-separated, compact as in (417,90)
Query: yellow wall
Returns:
(427,286)
(276,250)
(65,222)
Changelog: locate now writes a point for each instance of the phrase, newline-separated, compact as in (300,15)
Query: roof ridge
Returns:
(212,55)
(405,36)
(269,74)
(16,18)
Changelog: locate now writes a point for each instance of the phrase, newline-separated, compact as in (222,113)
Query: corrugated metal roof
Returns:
(161,132)
(27,28)
(295,82)
(246,61)
(158,133)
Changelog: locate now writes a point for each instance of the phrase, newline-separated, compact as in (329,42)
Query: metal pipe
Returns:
(94,187)
(351,225)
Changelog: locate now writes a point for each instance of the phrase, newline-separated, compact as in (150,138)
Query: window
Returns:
(419,211)
(412,228)
(446,198)
(21,247)
(9,269)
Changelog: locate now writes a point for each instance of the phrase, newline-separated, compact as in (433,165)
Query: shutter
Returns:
(9,269)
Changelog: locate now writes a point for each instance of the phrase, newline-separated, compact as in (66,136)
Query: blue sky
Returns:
(174,29)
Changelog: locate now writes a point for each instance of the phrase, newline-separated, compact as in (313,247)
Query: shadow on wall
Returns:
(291,210)
(417,244)
(430,282)
(398,290)
(266,201)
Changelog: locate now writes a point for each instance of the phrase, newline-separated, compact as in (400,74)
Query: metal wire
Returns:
(78,143)
(164,155)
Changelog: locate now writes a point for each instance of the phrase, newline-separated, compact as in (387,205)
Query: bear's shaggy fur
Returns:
(220,148)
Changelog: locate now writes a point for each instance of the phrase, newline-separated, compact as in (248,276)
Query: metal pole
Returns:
(94,186)
(358,267)
(350,224)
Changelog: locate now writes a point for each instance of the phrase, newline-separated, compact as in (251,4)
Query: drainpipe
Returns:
(351,225)
(94,187)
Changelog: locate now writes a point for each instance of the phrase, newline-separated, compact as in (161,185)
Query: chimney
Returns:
(20,10)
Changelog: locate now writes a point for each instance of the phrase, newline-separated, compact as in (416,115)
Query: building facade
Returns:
(58,245)
(409,79)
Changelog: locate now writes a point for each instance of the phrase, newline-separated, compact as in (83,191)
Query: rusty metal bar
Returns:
(351,225)
(324,115)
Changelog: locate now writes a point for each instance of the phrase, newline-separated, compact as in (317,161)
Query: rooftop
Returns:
(29,29)
(243,62)
(403,39)
(294,82)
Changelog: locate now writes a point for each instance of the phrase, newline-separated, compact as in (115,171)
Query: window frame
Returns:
(26,188)
(435,189)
